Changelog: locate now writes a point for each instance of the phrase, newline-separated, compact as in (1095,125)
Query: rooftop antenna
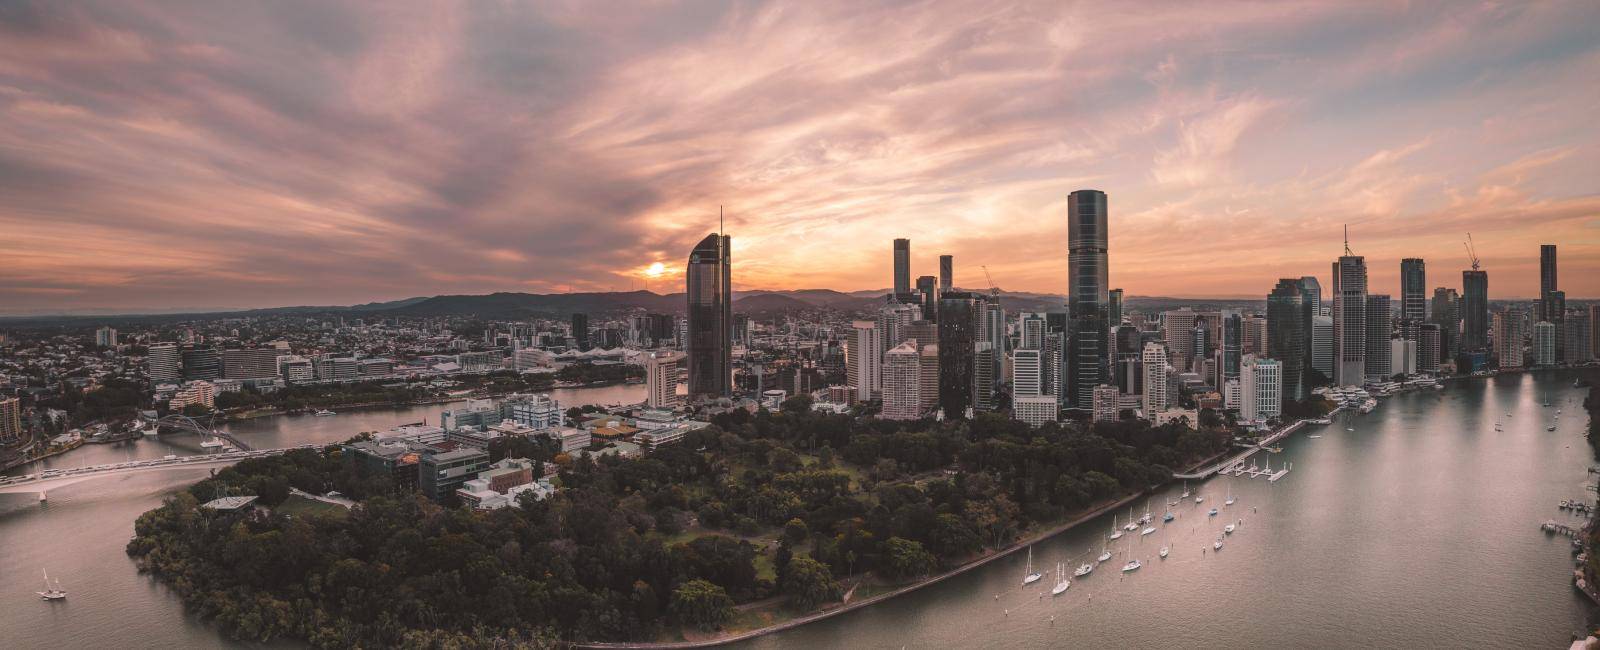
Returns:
(1347,240)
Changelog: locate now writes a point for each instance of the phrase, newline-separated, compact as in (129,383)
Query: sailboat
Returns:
(1166,545)
(1085,568)
(1217,545)
(1105,554)
(1032,576)
(1147,530)
(1061,580)
(1212,513)
(1229,501)
(1130,526)
(1167,517)
(1185,490)
(1132,565)
(1116,533)
(51,593)
(1146,519)
(1227,530)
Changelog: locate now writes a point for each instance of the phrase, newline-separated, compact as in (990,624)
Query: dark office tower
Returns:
(947,268)
(1311,294)
(1474,311)
(928,286)
(1231,344)
(1380,328)
(1413,289)
(201,363)
(1288,338)
(1349,320)
(710,337)
(1547,281)
(580,330)
(1447,315)
(1114,307)
(959,312)
(1088,298)
(902,266)
(1429,342)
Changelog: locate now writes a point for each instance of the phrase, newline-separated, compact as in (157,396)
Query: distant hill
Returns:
(770,302)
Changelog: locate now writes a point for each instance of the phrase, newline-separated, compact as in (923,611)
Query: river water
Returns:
(1417,529)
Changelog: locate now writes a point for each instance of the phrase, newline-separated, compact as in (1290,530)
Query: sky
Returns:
(161,155)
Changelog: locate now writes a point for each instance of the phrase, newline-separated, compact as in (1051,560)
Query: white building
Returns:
(1027,373)
(1322,345)
(1260,389)
(572,439)
(929,376)
(902,383)
(1403,356)
(296,369)
(1107,403)
(538,411)
(1231,395)
(195,392)
(1544,343)
(162,363)
(863,360)
(106,337)
(661,380)
(1035,410)
(1156,398)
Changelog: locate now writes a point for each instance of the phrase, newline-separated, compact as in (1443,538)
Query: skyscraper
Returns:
(1447,315)
(1027,373)
(1380,327)
(958,334)
(580,330)
(902,266)
(1544,344)
(1260,389)
(1429,344)
(864,360)
(902,382)
(1474,311)
(1178,330)
(1508,339)
(992,329)
(1156,398)
(947,269)
(1230,344)
(1114,307)
(928,287)
(1547,280)
(1322,346)
(1287,338)
(1088,298)
(1349,319)
(1576,331)
(1413,289)
(709,281)
(661,380)
(1312,290)
(10,419)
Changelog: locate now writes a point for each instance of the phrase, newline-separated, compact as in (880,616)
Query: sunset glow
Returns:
(155,155)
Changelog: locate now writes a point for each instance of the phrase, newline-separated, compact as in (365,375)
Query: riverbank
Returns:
(443,399)
(841,608)
(57,451)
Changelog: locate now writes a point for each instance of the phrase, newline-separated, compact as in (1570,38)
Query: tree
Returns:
(809,583)
(702,604)
(795,531)
(906,559)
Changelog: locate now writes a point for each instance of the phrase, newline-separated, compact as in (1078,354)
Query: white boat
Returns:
(1228,529)
(1198,499)
(1062,583)
(51,592)
(1550,428)
(1085,568)
(1032,576)
(1147,530)
(1217,545)
(1132,565)
(1146,518)
(322,413)
(1105,554)
(1185,490)
(1164,550)
(212,444)
(1313,437)
(1116,533)
(1130,526)
(1212,513)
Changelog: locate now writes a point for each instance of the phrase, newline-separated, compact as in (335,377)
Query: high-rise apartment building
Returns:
(10,419)
(1088,299)
(928,376)
(1547,282)
(894,322)
(1107,403)
(1576,330)
(1544,344)
(984,374)
(902,266)
(105,337)
(1430,343)
(902,382)
(1322,348)
(1178,329)
(709,281)
(661,380)
(1350,320)
(162,363)
(1287,338)
(1260,389)
(1413,289)
(1380,326)
(1508,339)
(863,360)
(1230,343)
(1474,311)
(1156,397)
(1027,373)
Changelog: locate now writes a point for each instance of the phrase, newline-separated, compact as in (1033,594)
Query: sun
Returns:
(655,270)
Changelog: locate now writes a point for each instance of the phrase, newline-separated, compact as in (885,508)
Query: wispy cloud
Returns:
(303,152)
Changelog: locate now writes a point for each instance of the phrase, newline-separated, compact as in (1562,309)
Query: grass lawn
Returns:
(298,506)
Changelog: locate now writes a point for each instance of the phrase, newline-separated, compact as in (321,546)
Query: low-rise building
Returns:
(440,474)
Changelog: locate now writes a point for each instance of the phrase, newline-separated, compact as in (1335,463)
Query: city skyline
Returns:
(157,157)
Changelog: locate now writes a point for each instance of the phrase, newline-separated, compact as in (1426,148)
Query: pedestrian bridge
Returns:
(42,482)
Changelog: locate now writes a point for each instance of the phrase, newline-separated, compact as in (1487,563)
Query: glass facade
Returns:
(710,342)
(1088,299)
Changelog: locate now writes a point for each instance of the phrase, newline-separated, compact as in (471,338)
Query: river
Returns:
(1418,528)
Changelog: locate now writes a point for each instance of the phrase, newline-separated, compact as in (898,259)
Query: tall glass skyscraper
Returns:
(1230,344)
(959,314)
(709,285)
(947,269)
(1349,320)
(1474,311)
(1311,294)
(1547,280)
(1413,289)
(902,267)
(1088,299)
(1447,315)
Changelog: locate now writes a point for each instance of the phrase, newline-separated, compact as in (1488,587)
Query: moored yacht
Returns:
(1085,568)
(1147,530)
(1062,583)
(1132,565)
(52,592)
(1031,576)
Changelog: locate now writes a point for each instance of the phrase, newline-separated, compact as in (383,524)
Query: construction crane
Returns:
(993,290)
(1471,253)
